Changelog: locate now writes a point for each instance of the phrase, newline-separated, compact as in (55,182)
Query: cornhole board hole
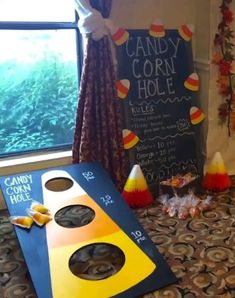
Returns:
(93,246)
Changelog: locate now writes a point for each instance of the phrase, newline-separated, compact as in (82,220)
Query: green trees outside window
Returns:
(38,86)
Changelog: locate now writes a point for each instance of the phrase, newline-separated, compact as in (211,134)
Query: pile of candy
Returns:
(37,213)
(179,181)
(185,207)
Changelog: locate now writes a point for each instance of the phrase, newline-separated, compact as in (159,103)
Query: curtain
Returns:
(98,130)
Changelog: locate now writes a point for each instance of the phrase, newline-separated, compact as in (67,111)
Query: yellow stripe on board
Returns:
(137,267)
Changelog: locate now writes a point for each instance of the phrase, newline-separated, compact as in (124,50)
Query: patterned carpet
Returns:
(200,251)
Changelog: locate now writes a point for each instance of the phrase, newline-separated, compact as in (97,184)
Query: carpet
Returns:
(200,251)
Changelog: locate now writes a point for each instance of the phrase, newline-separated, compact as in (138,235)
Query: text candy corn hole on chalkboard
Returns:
(93,243)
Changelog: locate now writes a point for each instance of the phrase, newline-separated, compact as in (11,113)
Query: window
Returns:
(39,70)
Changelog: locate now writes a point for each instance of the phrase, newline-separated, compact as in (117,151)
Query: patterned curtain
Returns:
(98,131)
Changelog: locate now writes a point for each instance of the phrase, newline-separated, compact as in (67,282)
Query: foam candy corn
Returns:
(157,29)
(123,87)
(136,192)
(36,206)
(130,139)
(186,32)
(39,218)
(119,36)
(192,82)
(216,178)
(21,221)
(196,115)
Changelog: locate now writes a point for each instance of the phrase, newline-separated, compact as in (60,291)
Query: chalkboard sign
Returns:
(157,107)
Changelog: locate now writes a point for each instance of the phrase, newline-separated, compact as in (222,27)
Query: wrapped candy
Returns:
(175,182)
(206,204)
(183,213)
(36,206)
(174,203)
(172,210)
(39,218)
(163,199)
(164,209)
(187,206)
(179,181)
(21,221)
(194,210)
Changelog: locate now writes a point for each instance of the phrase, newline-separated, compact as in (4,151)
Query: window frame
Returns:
(43,153)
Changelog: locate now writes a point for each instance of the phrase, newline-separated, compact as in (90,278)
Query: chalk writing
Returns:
(18,188)
(157,106)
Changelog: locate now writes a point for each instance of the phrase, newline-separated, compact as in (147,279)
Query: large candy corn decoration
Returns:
(157,29)
(63,243)
(136,192)
(130,139)
(192,82)
(216,177)
(186,32)
(123,87)
(196,115)
(119,35)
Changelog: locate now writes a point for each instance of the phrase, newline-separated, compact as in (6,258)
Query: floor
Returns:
(200,251)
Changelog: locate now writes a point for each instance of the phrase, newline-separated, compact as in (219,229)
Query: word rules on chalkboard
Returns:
(157,107)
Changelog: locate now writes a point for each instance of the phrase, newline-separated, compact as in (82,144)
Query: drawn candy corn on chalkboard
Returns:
(91,245)
(192,82)
(123,87)
(98,274)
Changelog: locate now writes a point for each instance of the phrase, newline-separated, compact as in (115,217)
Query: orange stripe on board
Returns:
(101,225)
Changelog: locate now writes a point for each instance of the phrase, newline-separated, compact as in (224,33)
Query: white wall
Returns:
(138,14)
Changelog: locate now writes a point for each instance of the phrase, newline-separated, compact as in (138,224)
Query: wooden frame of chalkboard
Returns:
(157,107)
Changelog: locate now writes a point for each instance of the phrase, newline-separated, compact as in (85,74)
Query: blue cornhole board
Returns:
(19,190)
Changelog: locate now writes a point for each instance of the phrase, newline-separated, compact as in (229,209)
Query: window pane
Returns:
(37,10)
(38,89)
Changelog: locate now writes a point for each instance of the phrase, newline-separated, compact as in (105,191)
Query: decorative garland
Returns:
(223,57)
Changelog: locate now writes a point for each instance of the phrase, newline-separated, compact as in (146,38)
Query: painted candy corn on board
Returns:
(79,237)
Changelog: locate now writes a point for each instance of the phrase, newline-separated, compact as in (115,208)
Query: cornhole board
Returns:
(51,250)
